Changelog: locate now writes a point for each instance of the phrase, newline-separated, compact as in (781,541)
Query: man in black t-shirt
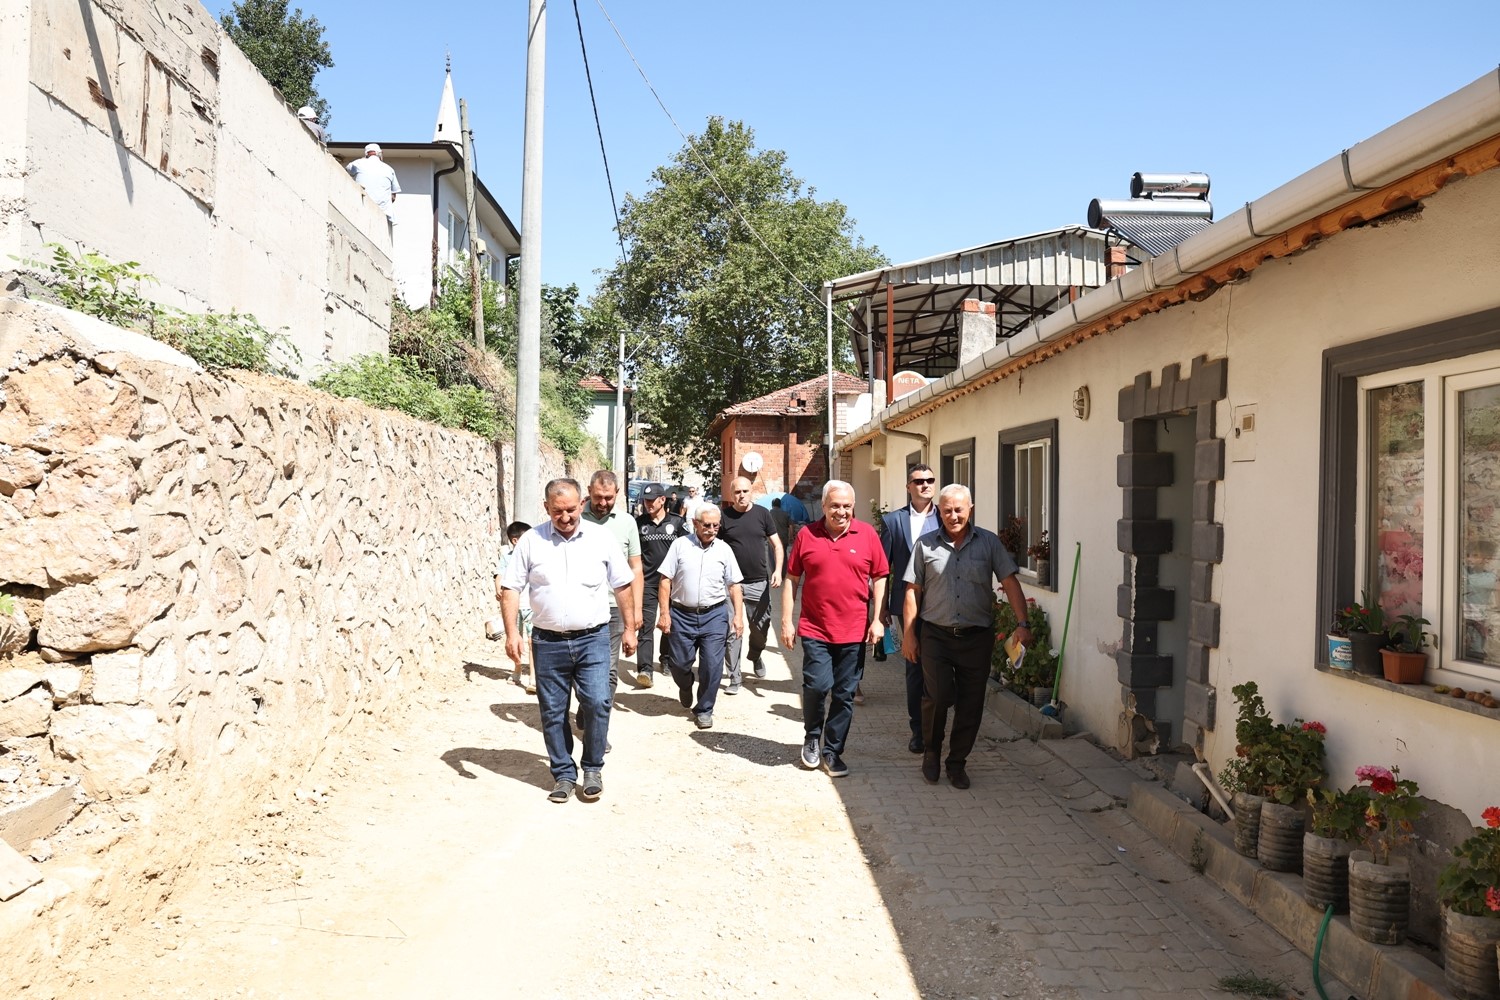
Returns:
(747,528)
(659,529)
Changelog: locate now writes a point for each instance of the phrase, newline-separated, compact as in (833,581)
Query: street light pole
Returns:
(528,485)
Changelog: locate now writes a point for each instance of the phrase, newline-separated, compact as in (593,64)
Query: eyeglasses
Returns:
(923,482)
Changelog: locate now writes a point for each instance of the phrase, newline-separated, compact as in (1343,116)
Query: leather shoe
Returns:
(930,768)
(915,746)
(958,775)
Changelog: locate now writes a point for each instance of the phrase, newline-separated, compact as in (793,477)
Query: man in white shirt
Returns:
(569,567)
(698,575)
(378,180)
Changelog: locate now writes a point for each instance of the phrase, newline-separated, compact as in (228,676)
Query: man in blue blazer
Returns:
(898,530)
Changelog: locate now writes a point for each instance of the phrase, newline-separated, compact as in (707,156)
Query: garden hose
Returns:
(1318,953)
(1062,650)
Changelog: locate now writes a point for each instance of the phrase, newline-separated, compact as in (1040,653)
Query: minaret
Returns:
(447,120)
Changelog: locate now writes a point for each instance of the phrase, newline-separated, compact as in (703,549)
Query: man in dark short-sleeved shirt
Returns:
(749,530)
(659,528)
(949,589)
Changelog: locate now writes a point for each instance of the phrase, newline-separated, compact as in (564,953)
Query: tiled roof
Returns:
(598,383)
(784,402)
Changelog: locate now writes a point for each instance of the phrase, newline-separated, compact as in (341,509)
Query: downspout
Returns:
(909,434)
(433,297)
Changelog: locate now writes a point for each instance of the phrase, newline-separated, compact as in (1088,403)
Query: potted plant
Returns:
(1013,537)
(1336,825)
(1340,651)
(1293,768)
(1245,777)
(1366,624)
(1379,884)
(1469,889)
(1041,551)
(1405,658)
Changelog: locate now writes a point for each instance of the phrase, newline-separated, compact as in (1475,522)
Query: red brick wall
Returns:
(791,465)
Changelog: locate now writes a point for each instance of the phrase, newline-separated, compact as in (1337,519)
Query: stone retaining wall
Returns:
(212,565)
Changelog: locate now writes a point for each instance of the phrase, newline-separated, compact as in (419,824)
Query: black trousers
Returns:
(650,608)
(955,674)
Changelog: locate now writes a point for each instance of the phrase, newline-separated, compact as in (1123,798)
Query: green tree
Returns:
(287,48)
(714,319)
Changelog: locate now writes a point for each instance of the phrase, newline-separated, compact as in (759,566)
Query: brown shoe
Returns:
(958,775)
(930,768)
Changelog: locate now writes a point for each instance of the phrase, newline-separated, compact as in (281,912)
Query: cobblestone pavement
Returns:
(713,867)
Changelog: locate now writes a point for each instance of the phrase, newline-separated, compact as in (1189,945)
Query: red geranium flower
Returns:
(1492,898)
(1382,784)
(1492,816)
(1316,727)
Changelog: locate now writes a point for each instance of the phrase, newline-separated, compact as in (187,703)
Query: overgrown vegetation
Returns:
(92,283)
(1249,984)
(433,371)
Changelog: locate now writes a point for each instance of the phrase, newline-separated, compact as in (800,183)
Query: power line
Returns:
(702,161)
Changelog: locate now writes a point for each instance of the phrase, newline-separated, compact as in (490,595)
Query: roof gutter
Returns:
(1456,136)
(433,297)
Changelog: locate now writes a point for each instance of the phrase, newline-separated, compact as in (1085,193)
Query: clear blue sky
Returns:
(939,124)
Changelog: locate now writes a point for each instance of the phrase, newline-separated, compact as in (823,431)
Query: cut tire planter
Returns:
(1471,955)
(1325,872)
(1247,822)
(1279,843)
(1379,898)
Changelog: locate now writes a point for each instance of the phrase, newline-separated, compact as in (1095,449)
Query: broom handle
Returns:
(1068,618)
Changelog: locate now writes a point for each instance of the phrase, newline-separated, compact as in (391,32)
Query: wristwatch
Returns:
(1024,625)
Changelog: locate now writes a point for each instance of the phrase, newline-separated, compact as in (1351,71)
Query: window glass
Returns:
(1396,463)
(1031,494)
(1478,521)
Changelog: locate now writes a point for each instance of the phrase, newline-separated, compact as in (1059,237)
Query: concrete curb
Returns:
(1376,972)
(1020,715)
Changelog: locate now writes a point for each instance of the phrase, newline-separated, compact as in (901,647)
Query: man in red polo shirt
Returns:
(840,567)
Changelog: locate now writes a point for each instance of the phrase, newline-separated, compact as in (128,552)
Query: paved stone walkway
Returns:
(713,867)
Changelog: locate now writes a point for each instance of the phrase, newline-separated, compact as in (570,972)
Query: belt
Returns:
(957,631)
(696,610)
(552,635)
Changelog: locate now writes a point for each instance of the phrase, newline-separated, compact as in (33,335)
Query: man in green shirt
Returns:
(604,488)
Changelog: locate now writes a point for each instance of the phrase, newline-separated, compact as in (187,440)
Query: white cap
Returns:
(307,113)
(373,147)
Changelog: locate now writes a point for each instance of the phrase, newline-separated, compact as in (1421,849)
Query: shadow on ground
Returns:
(751,748)
(523,766)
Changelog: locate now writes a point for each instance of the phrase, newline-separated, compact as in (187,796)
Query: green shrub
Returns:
(400,384)
(228,340)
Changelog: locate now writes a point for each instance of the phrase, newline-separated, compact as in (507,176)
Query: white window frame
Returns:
(1035,523)
(1442,381)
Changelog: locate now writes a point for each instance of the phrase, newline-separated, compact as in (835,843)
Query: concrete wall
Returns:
(152,138)
(1392,276)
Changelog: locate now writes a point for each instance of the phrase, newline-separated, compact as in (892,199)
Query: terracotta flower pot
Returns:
(1247,822)
(1379,898)
(1403,668)
(1325,872)
(1470,963)
(1279,846)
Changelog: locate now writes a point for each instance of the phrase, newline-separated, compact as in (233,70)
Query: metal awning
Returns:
(1027,278)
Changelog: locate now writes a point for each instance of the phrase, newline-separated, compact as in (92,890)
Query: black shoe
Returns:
(834,764)
(930,768)
(685,696)
(593,786)
(915,746)
(562,791)
(958,775)
(760,667)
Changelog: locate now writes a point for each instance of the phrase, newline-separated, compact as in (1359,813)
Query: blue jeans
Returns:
(700,635)
(563,666)
(830,672)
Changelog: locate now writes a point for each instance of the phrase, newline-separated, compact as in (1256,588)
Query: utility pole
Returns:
(476,289)
(617,456)
(528,487)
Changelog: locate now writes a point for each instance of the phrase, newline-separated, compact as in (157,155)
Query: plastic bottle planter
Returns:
(1279,846)
(1379,898)
(1340,652)
(1325,872)
(1471,965)
(1247,822)
(1365,652)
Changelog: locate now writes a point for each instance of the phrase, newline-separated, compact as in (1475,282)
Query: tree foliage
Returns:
(713,318)
(287,48)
